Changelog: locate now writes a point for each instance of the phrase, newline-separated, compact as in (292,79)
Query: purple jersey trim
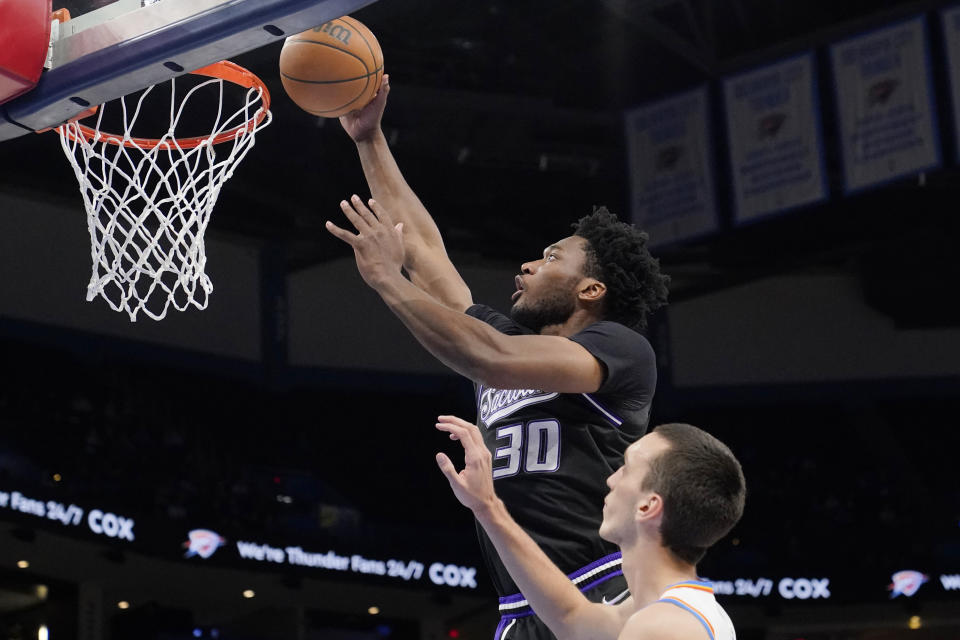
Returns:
(609,415)
(593,565)
(526,610)
(516,605)
(523,613)
(601,580)
(517,597)
(501,628)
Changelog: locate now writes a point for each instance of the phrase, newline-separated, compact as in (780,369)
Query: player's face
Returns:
(621,505)
(547,288)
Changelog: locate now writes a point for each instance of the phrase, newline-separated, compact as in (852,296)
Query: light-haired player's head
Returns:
(601,250)
(678,483)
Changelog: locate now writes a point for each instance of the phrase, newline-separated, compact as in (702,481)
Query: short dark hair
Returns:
(703,490)
(617,255)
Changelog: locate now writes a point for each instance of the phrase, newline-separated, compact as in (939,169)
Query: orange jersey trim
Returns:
(713,632)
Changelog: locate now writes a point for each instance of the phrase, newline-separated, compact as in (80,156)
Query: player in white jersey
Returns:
(678,492)
(696,597)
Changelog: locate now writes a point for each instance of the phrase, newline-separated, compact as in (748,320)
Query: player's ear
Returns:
(649,508)
(592,290)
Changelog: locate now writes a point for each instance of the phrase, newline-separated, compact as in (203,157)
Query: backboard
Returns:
(112,48)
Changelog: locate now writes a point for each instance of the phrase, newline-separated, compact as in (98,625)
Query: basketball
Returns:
(332,69)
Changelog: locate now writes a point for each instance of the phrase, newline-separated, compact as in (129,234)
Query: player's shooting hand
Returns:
(378,243)
(473,486)
(363,123)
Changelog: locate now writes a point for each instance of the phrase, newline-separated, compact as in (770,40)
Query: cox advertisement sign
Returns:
(98,521)
(204,543)
(906,583)
(785,588)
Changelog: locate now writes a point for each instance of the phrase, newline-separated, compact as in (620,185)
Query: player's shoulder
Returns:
(481,311)
(612,328)
(663,621)
(605,332)
(499,321)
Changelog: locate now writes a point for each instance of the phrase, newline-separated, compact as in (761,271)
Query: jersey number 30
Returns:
(535,444)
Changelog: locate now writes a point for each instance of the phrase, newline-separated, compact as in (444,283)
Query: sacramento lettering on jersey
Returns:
(499,403)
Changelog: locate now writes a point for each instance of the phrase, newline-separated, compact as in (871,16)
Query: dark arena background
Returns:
(264,469)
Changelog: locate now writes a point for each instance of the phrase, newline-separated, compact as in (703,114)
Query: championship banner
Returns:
(775,139)
(887,118)
(671,177)
(951,28)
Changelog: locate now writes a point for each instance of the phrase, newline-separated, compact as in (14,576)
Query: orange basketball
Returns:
(332,69)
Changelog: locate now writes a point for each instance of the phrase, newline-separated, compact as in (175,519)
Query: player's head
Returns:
(678,483)
(605,265)
(617,255)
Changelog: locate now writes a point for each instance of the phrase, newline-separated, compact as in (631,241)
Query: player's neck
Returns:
(577,322)
(649,569)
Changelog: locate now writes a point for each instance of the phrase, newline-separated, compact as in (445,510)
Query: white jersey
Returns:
(696,596)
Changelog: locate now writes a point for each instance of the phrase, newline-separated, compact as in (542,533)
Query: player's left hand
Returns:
(473,486)
(378,243)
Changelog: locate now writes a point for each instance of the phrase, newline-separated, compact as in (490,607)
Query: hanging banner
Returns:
(775,139)
(671,175)
(884,96)
(950,19)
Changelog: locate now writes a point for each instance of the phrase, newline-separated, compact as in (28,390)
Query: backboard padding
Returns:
(138,48)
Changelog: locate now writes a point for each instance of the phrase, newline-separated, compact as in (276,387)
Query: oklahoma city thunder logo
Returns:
(203,543)
(493,404)
(906,583)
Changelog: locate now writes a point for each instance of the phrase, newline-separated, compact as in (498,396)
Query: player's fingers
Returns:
(454,420)
(355,218)
(455,432)
(447,468)
(382,214)
(451,428)
(458,433)
(471,429)
(362,210)
(342,234)
(383,90)
(476,436)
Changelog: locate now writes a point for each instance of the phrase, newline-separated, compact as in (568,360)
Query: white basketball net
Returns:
(148,206)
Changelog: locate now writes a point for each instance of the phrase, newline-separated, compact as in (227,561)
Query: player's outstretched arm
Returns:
(556,601)
(469,346)
(426,256)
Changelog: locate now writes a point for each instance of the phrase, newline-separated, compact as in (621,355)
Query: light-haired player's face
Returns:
(547,288)
(621,506)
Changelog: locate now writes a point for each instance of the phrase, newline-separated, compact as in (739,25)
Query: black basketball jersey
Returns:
(552,452)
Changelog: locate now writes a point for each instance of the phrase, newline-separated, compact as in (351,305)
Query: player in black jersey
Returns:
(563,386)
